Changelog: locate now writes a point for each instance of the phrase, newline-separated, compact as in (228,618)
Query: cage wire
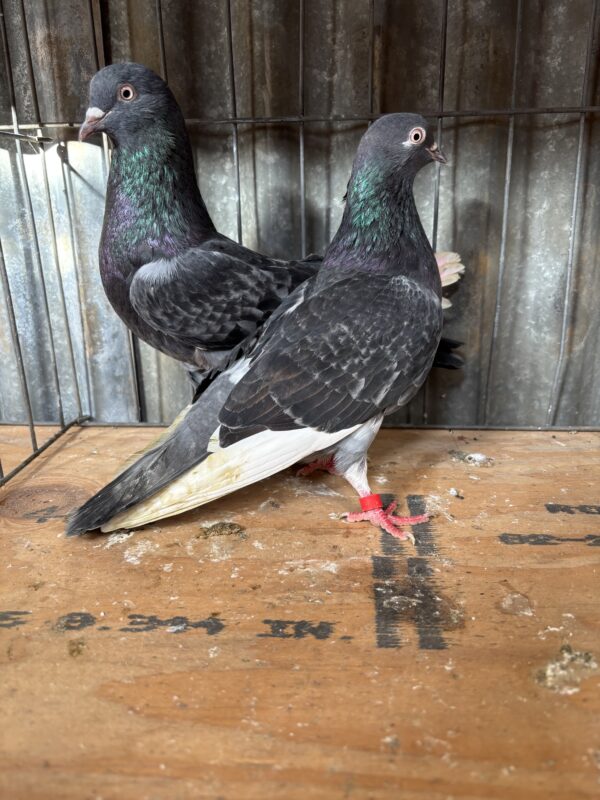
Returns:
(47,225)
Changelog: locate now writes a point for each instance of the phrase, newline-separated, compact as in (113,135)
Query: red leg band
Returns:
(371,502)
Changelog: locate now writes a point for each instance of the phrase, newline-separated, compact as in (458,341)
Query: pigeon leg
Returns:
(372,506)
(324,464)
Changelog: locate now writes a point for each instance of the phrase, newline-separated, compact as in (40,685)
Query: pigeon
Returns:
(348,346)
(175,281)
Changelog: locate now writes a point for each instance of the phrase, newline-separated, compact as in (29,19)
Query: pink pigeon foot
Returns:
(386,519)
(324,464)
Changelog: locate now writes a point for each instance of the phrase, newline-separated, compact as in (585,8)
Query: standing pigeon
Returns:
(174,280)
(349,346)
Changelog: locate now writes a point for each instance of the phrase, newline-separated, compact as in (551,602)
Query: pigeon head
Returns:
(127,100)
(380,226)
(400,143)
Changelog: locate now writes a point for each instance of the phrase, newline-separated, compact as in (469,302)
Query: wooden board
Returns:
(15,443)
(261,648)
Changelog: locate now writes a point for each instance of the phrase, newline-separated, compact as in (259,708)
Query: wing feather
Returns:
(310,371)
(208,299)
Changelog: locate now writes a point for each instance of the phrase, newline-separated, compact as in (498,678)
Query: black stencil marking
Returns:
(12,619)
(423,532)
(140,623)
(547,539)
(561,508)
(404,589)
(75,621)
(143,623)
(296,629)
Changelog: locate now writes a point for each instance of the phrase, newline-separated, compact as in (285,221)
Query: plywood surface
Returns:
(261,648)
(15,443)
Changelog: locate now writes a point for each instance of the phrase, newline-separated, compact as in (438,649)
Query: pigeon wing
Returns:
(206,299)
(330,371)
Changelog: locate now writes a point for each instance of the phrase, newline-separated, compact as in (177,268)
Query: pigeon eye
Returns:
(127,92)
(416,136)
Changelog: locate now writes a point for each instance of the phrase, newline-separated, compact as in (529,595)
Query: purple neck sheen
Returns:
(380,229)
(153,198)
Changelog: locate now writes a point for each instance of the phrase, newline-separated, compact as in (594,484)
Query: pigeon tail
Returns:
(181,447)
(445,357)
(451,270)
(227,469)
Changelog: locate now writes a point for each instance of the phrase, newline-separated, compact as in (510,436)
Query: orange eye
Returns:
(127,92)
(416,136)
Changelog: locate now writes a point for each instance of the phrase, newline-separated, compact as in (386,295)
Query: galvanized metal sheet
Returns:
(357,57)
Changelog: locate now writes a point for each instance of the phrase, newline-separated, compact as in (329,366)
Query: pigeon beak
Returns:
(93,118)
(436,154)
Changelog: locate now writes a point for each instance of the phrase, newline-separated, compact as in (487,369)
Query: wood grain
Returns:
(15,443)
(261,648)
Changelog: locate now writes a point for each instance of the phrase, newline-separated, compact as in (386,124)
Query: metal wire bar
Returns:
(29,206)
(456,428)
(29,62)
(436,185)
(565,335)
(134,345)
(24,137)
(95,48)
(441,86)
(504,224)
(234,122)
(91,423)
(161,41)
(371,55)
(88,422)
(17,345)
(61,289)
(364,118)
(48,199)
(67,172)
(301,38)
(68,192)
(100,57)
(64,428)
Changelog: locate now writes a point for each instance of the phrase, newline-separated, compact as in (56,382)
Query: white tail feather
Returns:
(448,278)
(451,271)
(226,470)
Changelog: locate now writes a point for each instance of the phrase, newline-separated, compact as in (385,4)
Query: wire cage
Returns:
(276,95)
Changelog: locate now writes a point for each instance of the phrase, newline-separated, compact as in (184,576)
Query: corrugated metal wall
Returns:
(519,201)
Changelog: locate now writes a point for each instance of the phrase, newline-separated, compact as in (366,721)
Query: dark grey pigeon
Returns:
(347,347)
(174,280)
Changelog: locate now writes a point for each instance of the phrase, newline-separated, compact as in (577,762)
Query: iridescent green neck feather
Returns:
(380,229)
(152,195)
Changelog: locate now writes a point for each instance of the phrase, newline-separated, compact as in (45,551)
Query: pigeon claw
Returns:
(386,519)
(323,464)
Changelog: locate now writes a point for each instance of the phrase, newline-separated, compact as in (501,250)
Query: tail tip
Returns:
(79,522)
(74,527)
